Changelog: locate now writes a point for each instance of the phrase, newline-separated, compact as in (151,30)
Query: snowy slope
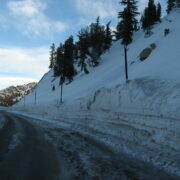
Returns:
(141,117)
(163,64)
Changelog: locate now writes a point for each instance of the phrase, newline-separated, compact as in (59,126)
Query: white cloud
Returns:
(94,8)
(28,8)
(104,8)
(9,81)
(25,65)
(30,18)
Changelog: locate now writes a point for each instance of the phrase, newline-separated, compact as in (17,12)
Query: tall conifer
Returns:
(170,5)
(128,20)
(52,55)
(158,14)
(108,37)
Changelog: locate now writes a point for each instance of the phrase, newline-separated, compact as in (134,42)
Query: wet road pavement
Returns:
(33,150)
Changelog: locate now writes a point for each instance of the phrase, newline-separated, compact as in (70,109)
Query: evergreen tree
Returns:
(97,39)
(128,20)
(93,41)
(127,31)
(151,12)
(59,65)
(52,55)
(83,45)
(108,37)
(69,70)
(158,14)
(150,16)
(170,5)
(145,19)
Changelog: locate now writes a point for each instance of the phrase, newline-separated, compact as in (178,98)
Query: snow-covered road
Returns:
(32,149)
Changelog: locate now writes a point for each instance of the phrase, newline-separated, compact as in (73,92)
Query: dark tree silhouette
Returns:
(170,5)
(128,20)
(52,56)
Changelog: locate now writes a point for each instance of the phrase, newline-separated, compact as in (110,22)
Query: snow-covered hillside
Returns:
(141,117)
(13,94)
(162,65)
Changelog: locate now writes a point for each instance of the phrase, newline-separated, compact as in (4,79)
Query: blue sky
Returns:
(28,27)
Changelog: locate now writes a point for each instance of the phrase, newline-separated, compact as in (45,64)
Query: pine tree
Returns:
(93,41)
(145,19)
(170,5)
(97,40)
(52,55)
(69,70)
(108,37)
(128,20)
(158,14)
(59,65)
(151,12)
(149,16)
(127,28)
(83,45)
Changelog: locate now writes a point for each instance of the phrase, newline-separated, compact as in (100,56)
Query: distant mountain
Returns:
(14,94)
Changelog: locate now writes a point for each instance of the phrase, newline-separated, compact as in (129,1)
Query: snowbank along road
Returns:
(32,149)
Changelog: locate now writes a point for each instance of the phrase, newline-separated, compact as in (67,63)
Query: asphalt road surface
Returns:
(34,150)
